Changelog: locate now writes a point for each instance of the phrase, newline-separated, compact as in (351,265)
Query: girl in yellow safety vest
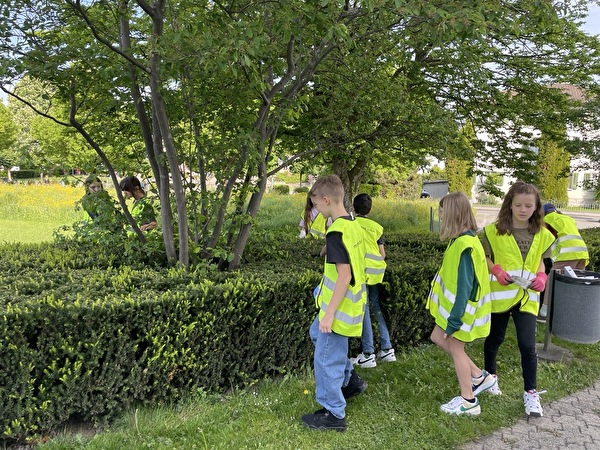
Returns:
(459,301)
(515,246)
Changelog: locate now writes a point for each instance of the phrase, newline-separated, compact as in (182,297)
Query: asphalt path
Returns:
(585,219)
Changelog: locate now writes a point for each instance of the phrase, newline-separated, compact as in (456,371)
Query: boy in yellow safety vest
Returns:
(340,299)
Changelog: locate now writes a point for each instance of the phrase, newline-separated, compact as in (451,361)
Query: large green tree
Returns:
(207,86)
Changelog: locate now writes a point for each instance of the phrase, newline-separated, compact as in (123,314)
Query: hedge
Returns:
(86,334)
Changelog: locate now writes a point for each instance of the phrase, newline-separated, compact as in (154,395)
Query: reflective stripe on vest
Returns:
(375,263)
(476,317)
(348,318)
(507,254)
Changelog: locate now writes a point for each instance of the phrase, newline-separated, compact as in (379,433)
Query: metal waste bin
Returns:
(575,314)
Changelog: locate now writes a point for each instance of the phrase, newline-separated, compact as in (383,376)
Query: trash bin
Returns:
(576,307)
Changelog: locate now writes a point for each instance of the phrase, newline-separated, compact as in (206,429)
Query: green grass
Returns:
(31,213)
(400,408)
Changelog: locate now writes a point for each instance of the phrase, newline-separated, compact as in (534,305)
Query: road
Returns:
(585,219)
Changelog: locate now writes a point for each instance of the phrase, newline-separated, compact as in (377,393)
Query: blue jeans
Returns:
(332,369)
(367,334)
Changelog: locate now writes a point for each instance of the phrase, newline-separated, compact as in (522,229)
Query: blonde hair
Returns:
(328,186)
(457,216)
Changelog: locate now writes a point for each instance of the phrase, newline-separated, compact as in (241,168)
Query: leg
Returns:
(383,329)
(456,350)
(331,366)
(367,333)
(525,325)
(499,322)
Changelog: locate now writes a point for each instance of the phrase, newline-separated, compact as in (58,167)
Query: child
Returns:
(459,301)
(515,245)
(375,262)
(569,248)
(99,205)
(312,223)
(340,298)
(142,210)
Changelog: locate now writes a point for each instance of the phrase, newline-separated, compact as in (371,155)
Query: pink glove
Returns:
(502,277)
(539,282)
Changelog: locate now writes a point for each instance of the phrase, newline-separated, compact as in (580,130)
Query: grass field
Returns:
(31,213)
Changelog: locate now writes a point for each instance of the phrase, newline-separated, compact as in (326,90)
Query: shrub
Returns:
(301,190)
(281,189)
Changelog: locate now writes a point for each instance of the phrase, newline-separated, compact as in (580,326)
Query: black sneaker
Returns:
(356,385)
(322,419)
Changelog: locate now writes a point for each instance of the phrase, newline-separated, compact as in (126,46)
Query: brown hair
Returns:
(504,224)
(457,216)
(307,209)
(328,186)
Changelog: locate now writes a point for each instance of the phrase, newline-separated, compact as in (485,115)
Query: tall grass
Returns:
(30,213)
(284,211)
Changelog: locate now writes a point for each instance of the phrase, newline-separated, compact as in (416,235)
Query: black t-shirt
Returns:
(336,250)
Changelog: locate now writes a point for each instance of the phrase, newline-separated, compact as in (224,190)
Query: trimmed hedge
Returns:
(86,336)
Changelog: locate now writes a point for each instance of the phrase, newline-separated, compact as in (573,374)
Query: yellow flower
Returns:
(305,391)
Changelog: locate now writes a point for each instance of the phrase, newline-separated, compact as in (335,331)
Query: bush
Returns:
(85,335)
(281,189)
(302,190)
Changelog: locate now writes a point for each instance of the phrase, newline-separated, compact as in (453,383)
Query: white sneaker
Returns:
(543,311)
(493,390)
(387,355)
(488,381)
(533,407)
(459,405)
(365,361)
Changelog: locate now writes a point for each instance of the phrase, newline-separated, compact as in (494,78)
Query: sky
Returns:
(592,24)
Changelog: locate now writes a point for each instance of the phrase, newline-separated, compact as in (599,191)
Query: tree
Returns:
(460,162)
(8,137)
(202,88)
(553,170)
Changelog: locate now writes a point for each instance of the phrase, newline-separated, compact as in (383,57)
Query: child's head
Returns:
(130,185)
(521,205)
(456,215)
(93,184)
(362,204)
(327,190)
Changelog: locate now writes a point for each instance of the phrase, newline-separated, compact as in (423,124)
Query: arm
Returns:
(382,250)
(339,291)
(464,288)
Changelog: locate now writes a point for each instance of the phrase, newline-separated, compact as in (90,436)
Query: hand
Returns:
(539,282)
(325,324)
(502,277)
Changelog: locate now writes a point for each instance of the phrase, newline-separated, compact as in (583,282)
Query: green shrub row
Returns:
(85,335)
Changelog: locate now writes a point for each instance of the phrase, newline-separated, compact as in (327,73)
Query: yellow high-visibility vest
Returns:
(375,264)
(348,318)
(569,245)
(444,287)
(507,254)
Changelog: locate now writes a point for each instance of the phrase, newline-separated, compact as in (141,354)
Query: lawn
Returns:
(400,408)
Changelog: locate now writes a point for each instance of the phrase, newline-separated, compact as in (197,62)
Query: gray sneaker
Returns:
(488,382)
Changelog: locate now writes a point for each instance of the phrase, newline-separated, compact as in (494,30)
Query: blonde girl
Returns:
(459,301)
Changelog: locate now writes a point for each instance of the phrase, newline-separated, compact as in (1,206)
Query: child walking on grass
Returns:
(459,301)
